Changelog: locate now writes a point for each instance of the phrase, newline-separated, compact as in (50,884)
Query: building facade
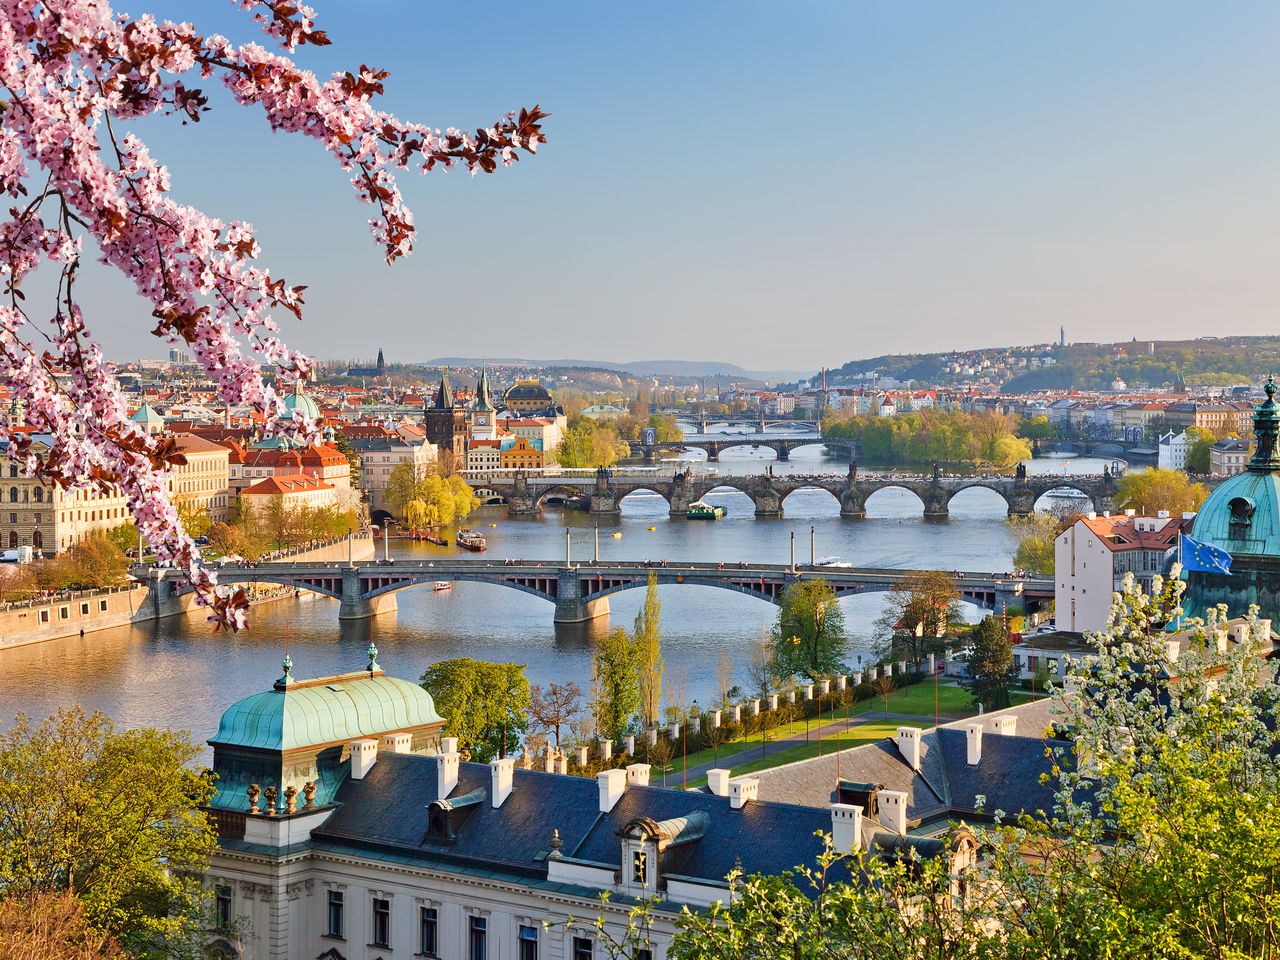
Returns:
(204,481)
(445,424)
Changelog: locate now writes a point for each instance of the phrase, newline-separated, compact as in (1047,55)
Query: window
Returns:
(582,948)
(13,535)
(479,932)
(223,907)
(64,613)
(39,495)
(429,923)
(84,609)
(44,616)
(335,914)
(528,943)
(644,953)
(638,867)
(381,922)
(13,494)
(102,606)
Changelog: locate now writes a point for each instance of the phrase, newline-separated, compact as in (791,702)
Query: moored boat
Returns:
(442,585)
(470,540)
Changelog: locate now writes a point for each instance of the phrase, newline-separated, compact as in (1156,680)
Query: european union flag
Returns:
(1204,557)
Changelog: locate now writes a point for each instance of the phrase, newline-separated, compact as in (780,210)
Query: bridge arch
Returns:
(558,494)
(889,500)
(283,580)
(733,492)
(725,447)
(818,505)
(976,499)
(514,584)
(640,492)
(487,496)
(1056,492)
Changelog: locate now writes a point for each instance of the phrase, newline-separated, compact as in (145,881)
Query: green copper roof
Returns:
(146,414)
(298,400)
(331,710)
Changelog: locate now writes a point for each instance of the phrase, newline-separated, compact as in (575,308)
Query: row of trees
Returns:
(602,442)
(95,562)
(934,436)
(251,533)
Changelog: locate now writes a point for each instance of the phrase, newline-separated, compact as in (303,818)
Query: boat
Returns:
(470,540)
(651,529)
(438,541)
(705,511)
(832,562)
(616,535)
(492,525)
(442,585)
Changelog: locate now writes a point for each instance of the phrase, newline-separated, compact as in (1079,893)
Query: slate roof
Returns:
(1007,776)
(388,810)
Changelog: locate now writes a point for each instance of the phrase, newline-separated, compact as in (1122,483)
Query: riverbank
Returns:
(81,612)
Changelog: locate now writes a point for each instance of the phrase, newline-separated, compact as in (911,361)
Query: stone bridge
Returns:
(525,493)
(716,445)
(581,592)
(759,422)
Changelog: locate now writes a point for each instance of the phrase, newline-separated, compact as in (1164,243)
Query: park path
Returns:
(747,754)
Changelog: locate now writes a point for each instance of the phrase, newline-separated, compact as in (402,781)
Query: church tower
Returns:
(484,423)
(446,425)
(382,364)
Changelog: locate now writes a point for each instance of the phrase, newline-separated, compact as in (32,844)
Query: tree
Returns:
(917,614)
(120,826)
(1035,534)
(1036,428)
(590,443)
(615,684)
(883,687)
(808,635)
(193,515)
(991,668)
(762,668)
(648,645)
(51,926)
(1202,441)
(90,188)
(485,705)
(556,708)
(1154,490)
(423,497)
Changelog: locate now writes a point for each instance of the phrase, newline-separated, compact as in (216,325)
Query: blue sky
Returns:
(779,185)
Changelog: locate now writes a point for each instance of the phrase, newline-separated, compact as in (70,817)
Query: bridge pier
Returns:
(784,453)
(853,506)
(604,504)
(1022,503)
(768,503)
(356,606)
(570,606)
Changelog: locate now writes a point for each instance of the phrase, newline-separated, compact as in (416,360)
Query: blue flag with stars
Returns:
(1204,557)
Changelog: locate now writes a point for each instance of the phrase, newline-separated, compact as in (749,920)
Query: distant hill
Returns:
(641,368)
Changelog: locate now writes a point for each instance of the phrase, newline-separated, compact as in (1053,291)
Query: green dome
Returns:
(331,710)
(298,400)
(1243,515)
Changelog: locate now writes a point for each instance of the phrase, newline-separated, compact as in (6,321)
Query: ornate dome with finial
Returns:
(298,400)
(1242,516)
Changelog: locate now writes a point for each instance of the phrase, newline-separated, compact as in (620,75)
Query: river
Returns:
(178,673)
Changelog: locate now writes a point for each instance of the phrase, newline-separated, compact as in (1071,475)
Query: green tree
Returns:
(110,816)
(615,684)
(650,665)
(436,500)
(484,704)
(1152,490)
(990,665)
(1036,428)
(918,613)
(1202,441)
(194,515)
(1035,534)
(588,443)
(808,636)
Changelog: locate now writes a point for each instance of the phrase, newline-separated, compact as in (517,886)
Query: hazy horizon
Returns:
(777,186)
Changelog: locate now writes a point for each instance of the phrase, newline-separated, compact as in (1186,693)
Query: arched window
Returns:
(39,495)
(13,539)
(37,540)
(13,494)
(13,469)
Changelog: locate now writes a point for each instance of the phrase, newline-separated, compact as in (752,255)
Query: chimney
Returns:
(742,791)
(1092,515)
(397,742)
(908,740)
(718,782)
(613,784)
(1131,512)
(893,811)
(502,772)
(447,767)
(364,754)
(1162,514)
(638,775)
(846,827)
(1171,650)
(973,740)
(1006,726)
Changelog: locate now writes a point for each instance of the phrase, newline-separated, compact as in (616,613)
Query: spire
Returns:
(484,395)
(382,364)
(1266,430)
(284,682)
(444,396)
(373,658)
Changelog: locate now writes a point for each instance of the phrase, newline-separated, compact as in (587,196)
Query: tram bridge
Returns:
(580,591)
(525,492)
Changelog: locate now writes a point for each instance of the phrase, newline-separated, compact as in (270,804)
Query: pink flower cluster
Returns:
(71,69)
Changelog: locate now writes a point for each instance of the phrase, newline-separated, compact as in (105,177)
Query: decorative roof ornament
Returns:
(1266,429)
(373,657)
(288,678)
(556,844)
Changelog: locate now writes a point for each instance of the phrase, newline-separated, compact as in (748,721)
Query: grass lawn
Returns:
(866,733)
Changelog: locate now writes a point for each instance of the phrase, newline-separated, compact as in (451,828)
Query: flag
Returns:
(1203,556)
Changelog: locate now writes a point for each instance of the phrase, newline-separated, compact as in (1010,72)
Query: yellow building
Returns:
(205,479)
(47,518)
(523,454)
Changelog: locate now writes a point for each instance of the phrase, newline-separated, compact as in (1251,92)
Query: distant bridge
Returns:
(580,592)
(781,445)
(758,421)
(526,493)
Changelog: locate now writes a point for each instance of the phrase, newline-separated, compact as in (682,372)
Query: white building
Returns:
(1092,556)
(1173,451)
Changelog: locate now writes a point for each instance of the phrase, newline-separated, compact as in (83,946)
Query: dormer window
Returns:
(639,867)
(1241,510)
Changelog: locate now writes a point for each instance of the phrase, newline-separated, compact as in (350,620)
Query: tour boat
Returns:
(705,511)
(833,562)
(470,540)
(443,585)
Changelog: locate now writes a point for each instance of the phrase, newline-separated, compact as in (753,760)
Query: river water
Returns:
(178,673)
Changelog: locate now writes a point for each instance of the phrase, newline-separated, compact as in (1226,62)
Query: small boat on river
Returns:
(470,540)
(442,585)
(434,538)
(705,511)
